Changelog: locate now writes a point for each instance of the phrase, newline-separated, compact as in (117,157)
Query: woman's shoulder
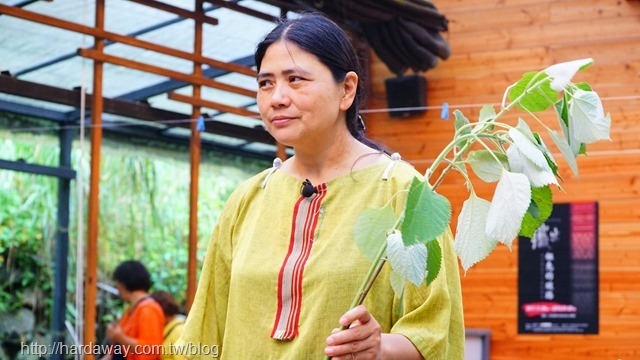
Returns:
(249,187)
(400,169)
(257,181)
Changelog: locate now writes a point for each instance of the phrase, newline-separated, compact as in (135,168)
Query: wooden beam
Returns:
(184,13)
(195,148)
(213,105)
(189,78)
(100,33)
(243,9)
(93,212)
(130,109)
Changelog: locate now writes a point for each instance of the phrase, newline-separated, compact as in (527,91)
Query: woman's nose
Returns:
(280,96)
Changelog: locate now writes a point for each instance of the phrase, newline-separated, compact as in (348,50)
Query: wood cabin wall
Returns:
(493,43)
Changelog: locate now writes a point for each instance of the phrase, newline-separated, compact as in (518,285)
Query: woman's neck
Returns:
(136,296)
(323,164)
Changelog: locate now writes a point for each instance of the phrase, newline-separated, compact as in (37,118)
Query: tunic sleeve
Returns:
(432,317)
(204,327)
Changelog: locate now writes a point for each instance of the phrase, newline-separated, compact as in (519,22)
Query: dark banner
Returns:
(558,273)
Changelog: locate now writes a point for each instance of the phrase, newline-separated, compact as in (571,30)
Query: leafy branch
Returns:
(513,156)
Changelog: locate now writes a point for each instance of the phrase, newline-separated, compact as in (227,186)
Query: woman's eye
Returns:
(264,83)
(295,79)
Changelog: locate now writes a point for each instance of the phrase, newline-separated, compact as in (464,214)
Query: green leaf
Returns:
(565,150)
(371,229)
(562,110)
(472,243)
(533,99)
(397,283)
(527,147)
(538,176)
(427,214)
(484,164)
(584,86)
(583,147)
(434,260)
(538,212)
(508,206)
(587,122)
(552,163)
(487,113)
(562,73)
(460,122)
(408,261)
(547,154)
(539,143)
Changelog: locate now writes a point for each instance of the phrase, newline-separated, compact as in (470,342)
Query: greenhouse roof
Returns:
(47,52)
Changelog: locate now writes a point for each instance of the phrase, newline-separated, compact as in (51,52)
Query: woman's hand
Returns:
(360,340)
(113,332)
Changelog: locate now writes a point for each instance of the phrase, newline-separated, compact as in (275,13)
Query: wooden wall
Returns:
(493,43)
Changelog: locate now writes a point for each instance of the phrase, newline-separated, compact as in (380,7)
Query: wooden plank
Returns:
(565,34)
(132,64)
(184,13)
(452,7)
(504,17)
(532,58)
(574,10)
(535,13)
(213,105)
(243,9)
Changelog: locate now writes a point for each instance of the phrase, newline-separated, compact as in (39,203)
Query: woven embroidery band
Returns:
(305,219)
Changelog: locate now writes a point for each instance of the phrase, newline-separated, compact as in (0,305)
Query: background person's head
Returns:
(168,304)
(131,276)
(316,34)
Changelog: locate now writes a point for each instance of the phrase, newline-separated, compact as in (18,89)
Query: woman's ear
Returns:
(350,86)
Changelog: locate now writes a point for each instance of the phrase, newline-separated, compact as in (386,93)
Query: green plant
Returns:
(513,156)
(27,221)
(144,212)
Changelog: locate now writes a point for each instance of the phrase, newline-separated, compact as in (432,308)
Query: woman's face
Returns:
(122,291)
(298,98)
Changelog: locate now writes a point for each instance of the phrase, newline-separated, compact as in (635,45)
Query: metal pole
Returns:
(62,244)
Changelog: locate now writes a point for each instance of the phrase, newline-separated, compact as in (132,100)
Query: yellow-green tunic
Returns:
(236,301)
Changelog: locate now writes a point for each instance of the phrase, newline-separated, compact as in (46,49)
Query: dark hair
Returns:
(133,275)
(168,304)
(320,36)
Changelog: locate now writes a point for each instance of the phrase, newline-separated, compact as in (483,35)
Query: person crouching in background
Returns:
(174,323)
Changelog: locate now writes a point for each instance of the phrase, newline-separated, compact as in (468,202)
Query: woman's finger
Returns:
(359,313)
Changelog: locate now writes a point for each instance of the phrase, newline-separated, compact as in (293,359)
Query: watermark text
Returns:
(187,349)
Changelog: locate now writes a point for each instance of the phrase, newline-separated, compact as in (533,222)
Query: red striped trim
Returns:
(306,215)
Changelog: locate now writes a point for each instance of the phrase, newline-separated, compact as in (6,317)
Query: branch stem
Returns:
(466,147)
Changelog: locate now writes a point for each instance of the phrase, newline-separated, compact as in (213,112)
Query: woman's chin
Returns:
(286,139)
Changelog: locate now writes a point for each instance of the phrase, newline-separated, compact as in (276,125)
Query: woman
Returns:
(282,267)
(174,324)
(138,333)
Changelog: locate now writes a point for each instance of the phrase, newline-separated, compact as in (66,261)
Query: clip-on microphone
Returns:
(307,189)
